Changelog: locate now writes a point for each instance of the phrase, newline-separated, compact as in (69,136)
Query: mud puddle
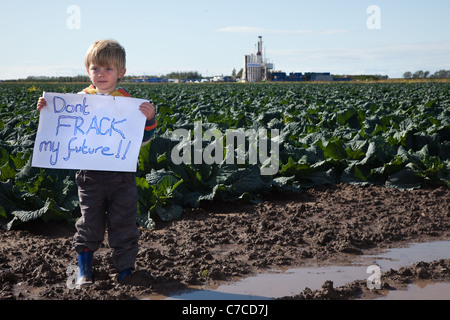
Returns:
(421,290)
(276,283)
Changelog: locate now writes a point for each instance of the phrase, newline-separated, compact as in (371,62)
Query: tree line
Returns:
(79,78)
(84,78)
(420,74)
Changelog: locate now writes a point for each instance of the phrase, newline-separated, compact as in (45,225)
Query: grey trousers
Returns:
(108,199)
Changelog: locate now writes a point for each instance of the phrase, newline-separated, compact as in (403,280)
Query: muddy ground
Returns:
(223,242)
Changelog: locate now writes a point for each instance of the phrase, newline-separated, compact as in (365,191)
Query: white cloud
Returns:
(394,59)
(332,31)
(242,29)
(420,51)
(24,71)
(253,30)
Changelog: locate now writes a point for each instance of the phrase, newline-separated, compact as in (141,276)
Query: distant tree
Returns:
(190,75)
(441,74)
(418,74)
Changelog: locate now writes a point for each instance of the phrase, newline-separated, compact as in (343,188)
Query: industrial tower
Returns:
(255,67)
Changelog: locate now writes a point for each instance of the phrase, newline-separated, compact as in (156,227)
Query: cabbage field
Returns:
(391,134)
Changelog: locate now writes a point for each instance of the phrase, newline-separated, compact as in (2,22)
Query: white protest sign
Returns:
(86,131)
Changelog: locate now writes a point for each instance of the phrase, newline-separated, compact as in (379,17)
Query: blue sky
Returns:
(212,37)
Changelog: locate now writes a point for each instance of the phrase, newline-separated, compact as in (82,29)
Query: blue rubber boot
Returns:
(84,277)
(123,274)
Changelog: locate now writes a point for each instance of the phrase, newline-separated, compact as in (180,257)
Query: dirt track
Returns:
(222,242)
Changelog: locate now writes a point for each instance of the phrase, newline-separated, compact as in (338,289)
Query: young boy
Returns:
(107,198)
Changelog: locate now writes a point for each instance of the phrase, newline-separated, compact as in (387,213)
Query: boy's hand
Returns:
(147,109)
(41,103)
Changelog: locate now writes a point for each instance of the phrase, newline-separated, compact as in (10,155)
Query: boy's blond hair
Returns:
(106,53)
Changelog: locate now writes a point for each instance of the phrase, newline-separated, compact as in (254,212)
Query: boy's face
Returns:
(105,78)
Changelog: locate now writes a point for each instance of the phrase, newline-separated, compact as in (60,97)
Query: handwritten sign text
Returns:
(94,132)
